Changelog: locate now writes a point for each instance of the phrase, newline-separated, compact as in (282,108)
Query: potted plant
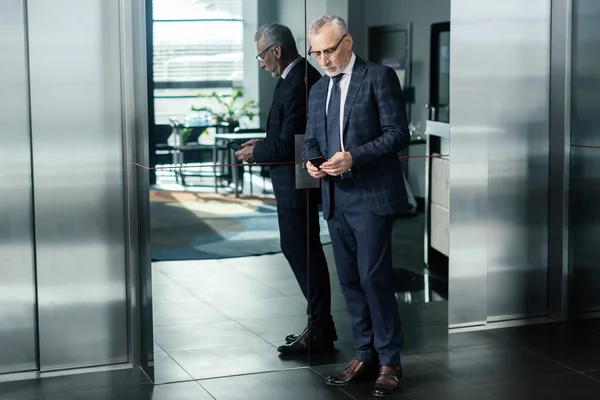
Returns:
(229,109)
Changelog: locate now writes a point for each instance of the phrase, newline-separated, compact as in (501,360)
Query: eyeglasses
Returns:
(260,57)
(328,52)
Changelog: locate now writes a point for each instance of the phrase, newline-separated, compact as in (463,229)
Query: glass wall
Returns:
(232,286)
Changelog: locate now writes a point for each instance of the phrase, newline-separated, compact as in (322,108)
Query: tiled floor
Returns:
(550,362)
(221,318)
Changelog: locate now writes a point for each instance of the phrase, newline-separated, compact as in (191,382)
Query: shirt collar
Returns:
(287,69)
(350,66)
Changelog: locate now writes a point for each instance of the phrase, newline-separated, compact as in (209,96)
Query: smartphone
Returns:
(235,146)
(317,161)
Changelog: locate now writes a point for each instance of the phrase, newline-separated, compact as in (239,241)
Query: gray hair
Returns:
(338,24)
(272,34)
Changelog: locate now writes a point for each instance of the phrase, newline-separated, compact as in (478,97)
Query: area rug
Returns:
(202,226)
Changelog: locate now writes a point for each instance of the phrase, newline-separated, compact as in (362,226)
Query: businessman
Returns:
(277,54)
(357,122)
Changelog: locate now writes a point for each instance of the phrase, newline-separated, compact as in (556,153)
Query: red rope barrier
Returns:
(251,164)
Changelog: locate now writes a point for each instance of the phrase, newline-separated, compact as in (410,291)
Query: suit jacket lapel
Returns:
(273,102)
(358,73)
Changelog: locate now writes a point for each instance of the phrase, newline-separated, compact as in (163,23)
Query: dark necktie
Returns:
(334,143)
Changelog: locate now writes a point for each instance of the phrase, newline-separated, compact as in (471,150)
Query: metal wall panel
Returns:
(518,51)
(17,282)
(584,202)
(76,113)
(585,229)
(586,73)
(468,163)
(559,157)
(499,159)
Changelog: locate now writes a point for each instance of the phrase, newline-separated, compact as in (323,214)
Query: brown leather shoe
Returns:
(355,371)
(388,381)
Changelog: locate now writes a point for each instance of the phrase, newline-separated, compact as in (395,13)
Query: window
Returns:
(198,48)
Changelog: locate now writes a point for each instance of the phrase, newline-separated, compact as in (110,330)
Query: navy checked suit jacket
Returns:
(375,130)
(287,118)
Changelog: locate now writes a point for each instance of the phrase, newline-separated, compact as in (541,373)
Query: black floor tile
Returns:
(186,313)
(570,344)
(31,388)
(480,365)
(285,286)
(218,287)
(593,324)
(593,374)
(299,384)
(106,379)
(475,338)
(459,392)
(237,360)
(418,376)
(203,336)
(245,309)
(53,396)
(573,387)
(276,329)
(175,391)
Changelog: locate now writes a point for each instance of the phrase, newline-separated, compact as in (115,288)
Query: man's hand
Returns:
(340,163)
(314,171)
(253,142)
(246,154)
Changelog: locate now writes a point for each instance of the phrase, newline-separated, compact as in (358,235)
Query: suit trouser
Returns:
(300,241)
(363,256)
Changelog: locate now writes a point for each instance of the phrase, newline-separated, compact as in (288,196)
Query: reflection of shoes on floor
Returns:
(354,372)
(305,343)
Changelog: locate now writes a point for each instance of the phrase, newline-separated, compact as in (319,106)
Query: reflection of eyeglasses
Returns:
(328,52)
(260,56)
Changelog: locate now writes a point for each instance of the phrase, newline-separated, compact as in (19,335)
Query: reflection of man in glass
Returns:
(357,121)
(297,210)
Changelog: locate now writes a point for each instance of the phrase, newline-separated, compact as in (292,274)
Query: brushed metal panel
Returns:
(584,211)
(17,281)
(584,217)
(585,78)
(135,94)
(560,135)
(469,130)
(517,50)
(76,115)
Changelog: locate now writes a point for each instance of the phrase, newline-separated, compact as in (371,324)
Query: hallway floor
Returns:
(550,362)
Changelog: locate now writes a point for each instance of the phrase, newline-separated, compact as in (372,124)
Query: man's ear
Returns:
(277,50)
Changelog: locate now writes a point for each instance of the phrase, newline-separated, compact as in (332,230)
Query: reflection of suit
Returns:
(361,204)
(287,118)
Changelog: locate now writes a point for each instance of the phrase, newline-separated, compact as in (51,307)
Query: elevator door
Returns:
(17,282)
(584,205)
(77,152)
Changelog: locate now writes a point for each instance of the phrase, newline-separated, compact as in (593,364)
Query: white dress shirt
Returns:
(287,69)
(344,85)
